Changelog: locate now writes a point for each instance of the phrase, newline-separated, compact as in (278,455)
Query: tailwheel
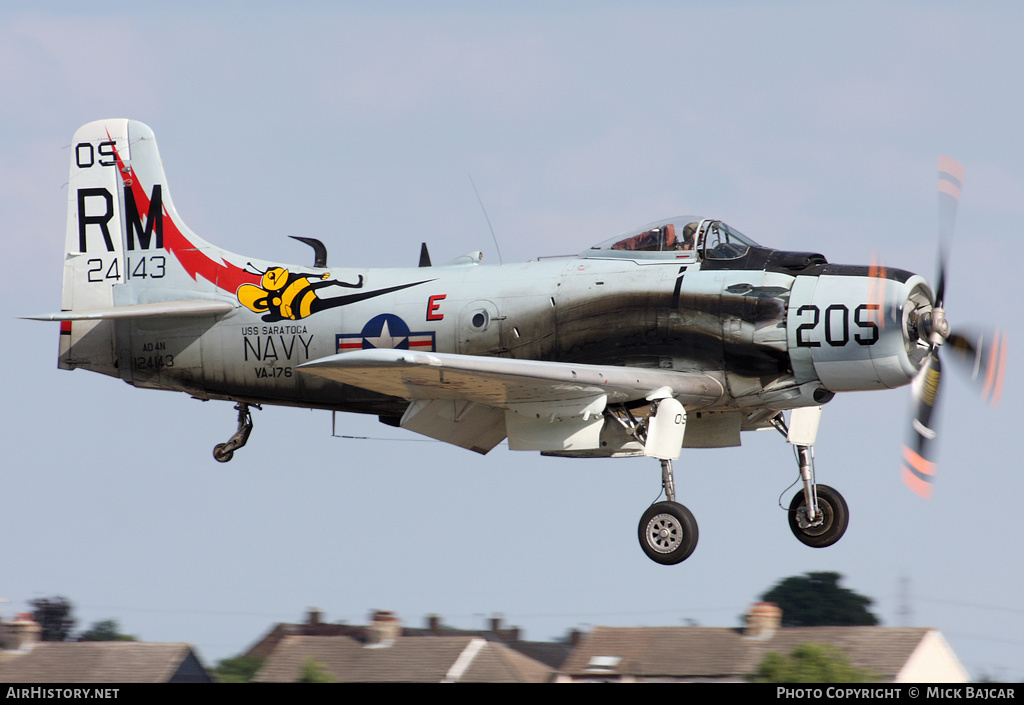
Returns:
(221,453)
(668,533)
(823,530)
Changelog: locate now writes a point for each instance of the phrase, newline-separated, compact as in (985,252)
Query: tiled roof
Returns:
(102,662)
(552,654)
(407,659)
(714,652)
(500,663)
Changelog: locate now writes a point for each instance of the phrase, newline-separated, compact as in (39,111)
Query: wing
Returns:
(475,402)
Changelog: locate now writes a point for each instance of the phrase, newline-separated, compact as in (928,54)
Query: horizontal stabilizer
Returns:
(157,310)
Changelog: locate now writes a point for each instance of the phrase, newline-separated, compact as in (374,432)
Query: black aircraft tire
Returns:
(668,533)
(836,518)
(221,455)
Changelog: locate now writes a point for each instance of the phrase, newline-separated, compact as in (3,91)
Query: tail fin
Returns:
(127,253)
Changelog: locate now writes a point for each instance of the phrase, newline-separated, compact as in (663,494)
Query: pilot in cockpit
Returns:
(660,239)
(689,231)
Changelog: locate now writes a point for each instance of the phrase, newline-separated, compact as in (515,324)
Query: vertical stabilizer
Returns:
(125,244)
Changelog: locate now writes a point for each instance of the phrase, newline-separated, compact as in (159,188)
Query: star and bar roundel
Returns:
(386,331)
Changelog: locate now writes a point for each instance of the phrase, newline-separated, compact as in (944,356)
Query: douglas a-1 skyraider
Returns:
(682,333)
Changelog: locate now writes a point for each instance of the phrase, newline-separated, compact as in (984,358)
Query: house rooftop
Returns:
(102,662)
(403,659)
(724,654)
(551,654)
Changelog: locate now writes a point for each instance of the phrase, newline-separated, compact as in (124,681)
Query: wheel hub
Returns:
(664,533)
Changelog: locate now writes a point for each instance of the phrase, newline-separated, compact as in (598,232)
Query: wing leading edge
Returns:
(475,402)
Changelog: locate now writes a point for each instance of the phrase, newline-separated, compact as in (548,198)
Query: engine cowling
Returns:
(855,330)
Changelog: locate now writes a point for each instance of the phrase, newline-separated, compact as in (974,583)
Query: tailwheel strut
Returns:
(223,452)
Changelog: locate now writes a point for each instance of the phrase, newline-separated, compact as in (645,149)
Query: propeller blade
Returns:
(920,451)
(940,280)
(951,178)
(876,292)
(986,360)
(951,183)
(883,309)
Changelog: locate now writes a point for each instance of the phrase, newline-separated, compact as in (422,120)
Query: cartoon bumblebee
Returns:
(282,295)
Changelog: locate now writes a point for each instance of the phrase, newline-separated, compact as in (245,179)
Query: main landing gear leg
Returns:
(223,452)
(818,515)
(805,459)
(667,531)
(668,480)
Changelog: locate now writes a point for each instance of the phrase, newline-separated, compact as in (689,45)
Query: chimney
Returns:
(763,619)
(313,616)
(434,624)
(503,633)
(384,628)
(21,634)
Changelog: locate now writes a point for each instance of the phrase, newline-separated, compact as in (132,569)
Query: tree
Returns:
(53,615)
(810,663)
(237,669)
(816,600)
(105,630)
(314,672)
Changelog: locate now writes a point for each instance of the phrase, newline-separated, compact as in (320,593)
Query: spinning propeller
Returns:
(986,358)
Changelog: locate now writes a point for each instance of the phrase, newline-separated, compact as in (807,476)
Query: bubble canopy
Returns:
(676,237)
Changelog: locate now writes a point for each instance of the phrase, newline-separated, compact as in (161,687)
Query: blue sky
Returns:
(807,126)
